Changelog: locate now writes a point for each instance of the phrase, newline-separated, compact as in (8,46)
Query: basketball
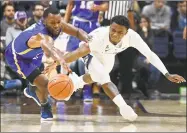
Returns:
(60,87)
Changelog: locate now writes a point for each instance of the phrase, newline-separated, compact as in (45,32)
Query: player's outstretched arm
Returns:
(175,78)
(71,30)
(102,7)
(83,50)
(47,44)
(68,11)
(143,48)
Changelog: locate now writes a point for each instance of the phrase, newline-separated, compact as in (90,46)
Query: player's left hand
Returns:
(175,78)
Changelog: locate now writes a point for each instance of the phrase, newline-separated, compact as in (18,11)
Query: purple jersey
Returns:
(20,57)
(82,10)
(20,43)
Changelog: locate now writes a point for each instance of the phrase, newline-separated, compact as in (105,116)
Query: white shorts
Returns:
(98,72)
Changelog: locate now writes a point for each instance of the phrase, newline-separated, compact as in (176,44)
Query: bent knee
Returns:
(41,81)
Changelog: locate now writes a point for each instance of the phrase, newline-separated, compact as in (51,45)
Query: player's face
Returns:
(53,24)
(117,32)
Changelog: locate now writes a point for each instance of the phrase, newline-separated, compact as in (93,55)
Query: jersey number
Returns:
(86,4)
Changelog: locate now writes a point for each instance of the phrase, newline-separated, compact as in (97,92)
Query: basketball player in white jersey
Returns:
(105,44)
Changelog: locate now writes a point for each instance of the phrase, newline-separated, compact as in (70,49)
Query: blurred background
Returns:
(161,24)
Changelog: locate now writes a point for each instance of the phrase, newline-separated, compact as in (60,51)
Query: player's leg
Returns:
(73,44)
(98,74)
(111,90)
(30,71)
(96,90)
(88,89)
(41,82)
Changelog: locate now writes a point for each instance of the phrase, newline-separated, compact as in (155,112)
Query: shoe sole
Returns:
(48,119)
(88,100)
(25,93)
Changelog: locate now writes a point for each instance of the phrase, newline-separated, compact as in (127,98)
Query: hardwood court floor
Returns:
(22,115)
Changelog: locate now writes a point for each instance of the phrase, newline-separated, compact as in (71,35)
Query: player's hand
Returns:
(175,78)
(89,38)
(83,36)
(50,68)
(94,8)
(66,68)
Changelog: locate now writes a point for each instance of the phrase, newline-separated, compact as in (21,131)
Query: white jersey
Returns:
(105,51)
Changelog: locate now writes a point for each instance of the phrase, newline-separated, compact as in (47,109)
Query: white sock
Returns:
(119,101)
(82,83)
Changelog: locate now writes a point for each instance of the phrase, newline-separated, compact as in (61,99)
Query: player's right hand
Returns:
(49,68)
(89,38)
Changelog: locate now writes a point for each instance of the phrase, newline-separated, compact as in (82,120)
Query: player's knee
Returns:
(41,82)
(98,72)
(45,83)
(100,78)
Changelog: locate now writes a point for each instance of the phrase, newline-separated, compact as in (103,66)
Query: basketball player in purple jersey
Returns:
(85,16)
(24,54)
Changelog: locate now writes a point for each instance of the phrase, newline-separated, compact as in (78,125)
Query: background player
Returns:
(85,16)
(106,43)
(24,54)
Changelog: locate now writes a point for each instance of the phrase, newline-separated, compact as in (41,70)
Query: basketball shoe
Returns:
(29,92)
(128,113)
(87,93)
(46,112)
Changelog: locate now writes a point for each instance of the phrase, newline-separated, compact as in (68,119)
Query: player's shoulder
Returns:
(102,28)
(100,32)
(131,35)
(131,32)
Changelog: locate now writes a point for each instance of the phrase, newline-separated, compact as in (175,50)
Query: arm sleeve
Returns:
(8,37)
(137,42)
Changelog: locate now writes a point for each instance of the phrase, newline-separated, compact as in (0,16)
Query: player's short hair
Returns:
(121,20)
(51,10)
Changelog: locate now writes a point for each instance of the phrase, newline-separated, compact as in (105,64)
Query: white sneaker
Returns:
(76,81)
(128,113)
